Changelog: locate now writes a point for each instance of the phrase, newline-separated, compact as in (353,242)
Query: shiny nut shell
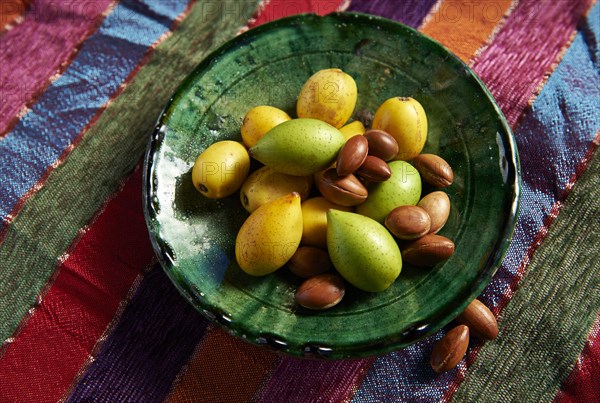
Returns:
(321,292)
(434,170)
(374,169)
(352,155)
(309,261)
(480,320)
(381,144)
(450,349)
(343,190)
(408,222)
(428,250)
(437,205)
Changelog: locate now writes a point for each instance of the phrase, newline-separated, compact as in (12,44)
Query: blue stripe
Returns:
(552,140)
(68,105)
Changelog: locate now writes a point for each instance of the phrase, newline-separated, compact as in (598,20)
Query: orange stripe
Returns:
(463,26)
(11,9)
(224,368)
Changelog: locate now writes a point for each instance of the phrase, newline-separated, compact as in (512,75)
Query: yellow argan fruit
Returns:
(406,121)
(264,185)
(260,120)
(220,170)
(270,236)
(314,218)
(353,129)
(328,95)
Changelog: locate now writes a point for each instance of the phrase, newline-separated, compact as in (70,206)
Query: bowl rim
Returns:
(443,315)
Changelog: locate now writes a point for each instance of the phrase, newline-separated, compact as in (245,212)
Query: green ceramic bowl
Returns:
(194,237)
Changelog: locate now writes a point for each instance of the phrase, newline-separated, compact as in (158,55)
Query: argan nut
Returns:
(450,349)
(309,261)
(408,222)
(434,170)
(343,190)
(437,205)
(428,250)
(480,320)
(352,155)
(381,144)
(374,169)
(321,292)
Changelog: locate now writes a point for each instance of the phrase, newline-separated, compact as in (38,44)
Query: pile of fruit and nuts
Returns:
(366,215)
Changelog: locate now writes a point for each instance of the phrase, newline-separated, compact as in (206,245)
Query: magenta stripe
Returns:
(509,67)
(44,42)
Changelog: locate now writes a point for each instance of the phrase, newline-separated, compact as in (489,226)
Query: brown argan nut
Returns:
(343,190)
(374,169)
(437,205)
(434,170)
(480,320)
(308,261)
(428,250)
(352,155)
(381,144)
(321,292)
(450,349)
(408,222)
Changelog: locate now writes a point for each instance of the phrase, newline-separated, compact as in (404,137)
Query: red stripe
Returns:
(583,383)
(275,9)
(523,52)
(92,281)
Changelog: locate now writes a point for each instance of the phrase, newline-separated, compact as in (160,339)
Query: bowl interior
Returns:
(194,237)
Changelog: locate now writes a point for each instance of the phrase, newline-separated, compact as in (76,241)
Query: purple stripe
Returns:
(154,338)
(525,49)
(105,60)
(297,380)
(51,30)
(552,140)
(300,380)
(411,12)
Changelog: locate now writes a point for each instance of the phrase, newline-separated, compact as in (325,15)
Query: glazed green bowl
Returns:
(194,237)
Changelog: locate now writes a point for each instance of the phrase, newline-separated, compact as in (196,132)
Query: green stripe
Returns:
(544,327)
(109,151)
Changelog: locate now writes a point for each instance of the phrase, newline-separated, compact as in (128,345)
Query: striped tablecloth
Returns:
(86,314)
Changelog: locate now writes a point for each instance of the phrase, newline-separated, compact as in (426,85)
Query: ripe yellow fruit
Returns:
(406,121)
(353,129)
(270,236)
(328,95)
(220,170)
(264,185)
(314,218)
(260,120)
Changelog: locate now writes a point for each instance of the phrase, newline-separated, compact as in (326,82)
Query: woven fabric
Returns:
(583,383)
(87,315)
